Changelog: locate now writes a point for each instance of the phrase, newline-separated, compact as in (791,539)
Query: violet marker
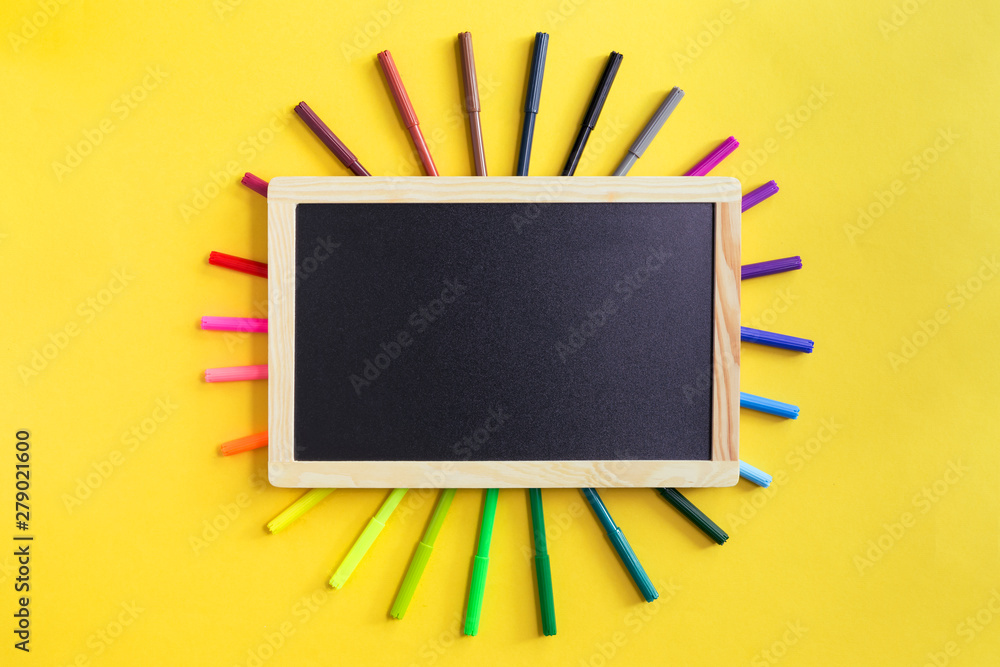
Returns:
(771,266)
(255,183)
(326,135)
(710,161)
(748,335)
(755,197)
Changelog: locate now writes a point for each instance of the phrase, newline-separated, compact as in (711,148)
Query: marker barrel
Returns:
(751,474)
(770,267)
(236,373)
(244,444)
(694,515)
(769,406)
(292,513)
(748,335)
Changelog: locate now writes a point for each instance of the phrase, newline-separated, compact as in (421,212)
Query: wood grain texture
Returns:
(502,474)
(726,335)
(285,193)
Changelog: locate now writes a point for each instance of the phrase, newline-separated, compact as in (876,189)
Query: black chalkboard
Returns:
(506,332)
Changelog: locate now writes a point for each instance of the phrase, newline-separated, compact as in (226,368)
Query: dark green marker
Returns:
(694,515)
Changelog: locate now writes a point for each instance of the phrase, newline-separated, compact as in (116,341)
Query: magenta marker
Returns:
(718,154)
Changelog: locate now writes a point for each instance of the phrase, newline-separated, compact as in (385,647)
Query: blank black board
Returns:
(500,332)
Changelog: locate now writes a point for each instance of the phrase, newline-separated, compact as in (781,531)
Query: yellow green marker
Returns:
(305,503)
(423,554)
(367,538)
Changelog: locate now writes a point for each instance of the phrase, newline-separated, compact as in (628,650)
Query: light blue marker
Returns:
(751,474)
(762,404)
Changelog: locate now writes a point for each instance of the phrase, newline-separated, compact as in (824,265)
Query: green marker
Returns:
(423,554)
(367,538)
(542,571)
(480,563)
(694,515)
(305,503)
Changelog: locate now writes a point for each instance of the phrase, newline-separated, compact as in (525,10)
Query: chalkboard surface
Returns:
(503,331)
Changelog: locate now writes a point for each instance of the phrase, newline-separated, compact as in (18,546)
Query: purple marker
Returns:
(770,266)
(718,154)
(755,197)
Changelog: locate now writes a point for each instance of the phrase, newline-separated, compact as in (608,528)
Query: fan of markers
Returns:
(424,548)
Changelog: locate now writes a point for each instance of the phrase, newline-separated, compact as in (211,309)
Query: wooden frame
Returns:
(723,468)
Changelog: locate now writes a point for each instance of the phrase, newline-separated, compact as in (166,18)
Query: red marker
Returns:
(406,111)
(238,264)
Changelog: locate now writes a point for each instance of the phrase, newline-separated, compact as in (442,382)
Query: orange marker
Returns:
(245,444)
(406,111)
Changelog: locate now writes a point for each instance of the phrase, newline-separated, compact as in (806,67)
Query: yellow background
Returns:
(869,85)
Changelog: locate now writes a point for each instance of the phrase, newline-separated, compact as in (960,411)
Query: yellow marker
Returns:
(367,538)
(308,501)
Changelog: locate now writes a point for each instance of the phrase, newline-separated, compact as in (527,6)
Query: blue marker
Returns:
(531,100)
(748,335)
(762,404)
(621,545)
(751,474)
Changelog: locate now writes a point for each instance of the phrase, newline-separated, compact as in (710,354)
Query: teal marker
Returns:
(621,545)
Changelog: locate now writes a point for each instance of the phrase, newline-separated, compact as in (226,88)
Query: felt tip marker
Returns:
(406,111)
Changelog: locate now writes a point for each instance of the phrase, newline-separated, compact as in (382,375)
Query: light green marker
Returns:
(367,538)
(480,563)
(305,503)
(423,554)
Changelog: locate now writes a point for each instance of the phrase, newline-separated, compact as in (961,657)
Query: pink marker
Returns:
(241,324)
(236,373)
(718,154)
